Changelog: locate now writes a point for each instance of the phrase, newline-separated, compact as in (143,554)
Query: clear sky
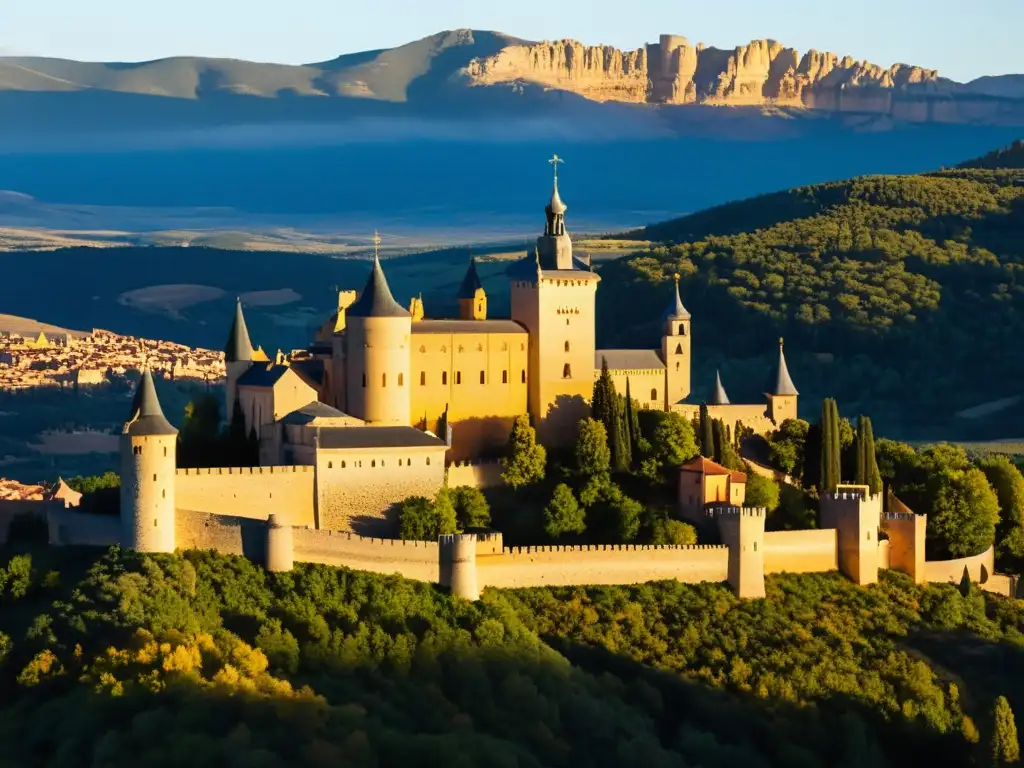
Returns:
(963,39)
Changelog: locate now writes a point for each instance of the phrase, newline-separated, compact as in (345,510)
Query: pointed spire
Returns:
(376,299)
(147,417)
(783,384)
(556,205)
(675,309)
(239,346)
(470,283)
(718,396)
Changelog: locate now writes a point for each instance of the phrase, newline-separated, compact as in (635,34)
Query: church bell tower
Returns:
(675,350)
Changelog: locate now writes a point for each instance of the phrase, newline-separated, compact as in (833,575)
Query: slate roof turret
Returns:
(239,346)
(376,299)
(782,383)
(147,417)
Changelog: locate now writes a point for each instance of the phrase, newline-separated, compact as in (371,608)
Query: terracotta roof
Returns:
(708,467)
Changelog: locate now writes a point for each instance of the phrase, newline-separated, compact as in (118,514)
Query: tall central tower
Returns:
(553,297)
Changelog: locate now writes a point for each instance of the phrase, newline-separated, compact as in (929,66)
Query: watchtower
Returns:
(148,446)
(742,531)
(781,392)
(238,358)
(458,565)
(472,297)
(675,350)
(856,515)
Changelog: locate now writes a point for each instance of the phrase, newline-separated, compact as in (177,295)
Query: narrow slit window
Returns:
(504,377)
(401,379)
(483,378)
(364,380)
(566,372)
(567,346)
(523,377)
(458,377)
(654,394)
(423,378)
(444,377)
(383,379)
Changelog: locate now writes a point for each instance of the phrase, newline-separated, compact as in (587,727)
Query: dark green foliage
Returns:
(867,463)
(788,447)
(1007,157)
(101,494)
(1005,746)
(830,447)
(525,459)
(563,514)
(593,457)
(725,451)
(1008,483)
(421,519)
(910,284)
(707,434)
(761,492)
(471,507)
(632,424)
(202,442)
(208,660)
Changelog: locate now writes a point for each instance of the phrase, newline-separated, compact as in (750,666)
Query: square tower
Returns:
(553,295)
(675,350)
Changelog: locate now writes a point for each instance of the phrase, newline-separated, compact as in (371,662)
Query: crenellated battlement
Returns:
(732,511)
(611,548)
(893,516)
(291,469)
(369,540)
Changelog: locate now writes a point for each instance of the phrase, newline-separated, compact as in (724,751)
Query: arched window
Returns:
(401,379)
(524,376)
(399,462)
(566,372)
(682,329)
(444,377)
(422,348)
(428,461)
(479,347)
(654,394)
(383,379)
(364,379)
(483,378)
(504,377)
(154,477)
(423,378)
(567,346)
(330,465)
(460,348)
(458,377)
(343,465)
(373,463)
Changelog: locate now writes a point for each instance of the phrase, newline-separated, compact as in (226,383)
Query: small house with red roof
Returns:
(704,483)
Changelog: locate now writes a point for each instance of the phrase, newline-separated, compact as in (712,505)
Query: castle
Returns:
(386,396)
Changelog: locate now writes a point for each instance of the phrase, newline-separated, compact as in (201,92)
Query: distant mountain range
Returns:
(468,74)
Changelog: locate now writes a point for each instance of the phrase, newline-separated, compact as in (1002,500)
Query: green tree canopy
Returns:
(563,514)
(525,459)
(593,457)
(471,507)
(1005,746)
(761,492)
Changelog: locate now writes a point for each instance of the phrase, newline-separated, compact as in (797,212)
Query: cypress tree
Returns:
(859,447)
(872,475)
(1005,746)
(707,434)
(837,449)
(602,404)
(632,422)
(624,441)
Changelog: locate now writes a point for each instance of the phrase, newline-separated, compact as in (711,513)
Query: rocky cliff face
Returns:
(672,71)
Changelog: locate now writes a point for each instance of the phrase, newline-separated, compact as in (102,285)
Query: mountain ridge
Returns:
(490,69)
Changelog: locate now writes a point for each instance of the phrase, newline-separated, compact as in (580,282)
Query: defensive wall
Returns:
(480,473)
(754,416)
(249,492)
(810,551)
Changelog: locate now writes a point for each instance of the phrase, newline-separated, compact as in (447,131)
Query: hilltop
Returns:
(199,659)
(901,294)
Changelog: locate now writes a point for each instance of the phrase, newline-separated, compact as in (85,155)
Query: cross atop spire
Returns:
(555,162)
(376,244)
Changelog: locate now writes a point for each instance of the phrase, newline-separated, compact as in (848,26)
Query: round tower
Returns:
(378,355)
(458,565)
(238,358)
(148,462)
(280,546)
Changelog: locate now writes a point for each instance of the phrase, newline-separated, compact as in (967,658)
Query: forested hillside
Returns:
(203,660)
(1008,157)
(902,296)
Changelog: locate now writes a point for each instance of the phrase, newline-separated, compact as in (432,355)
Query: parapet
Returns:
(609,548)
(900,516)
(289,469)
(733,511)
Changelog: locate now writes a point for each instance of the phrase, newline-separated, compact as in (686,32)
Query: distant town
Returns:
(51,359)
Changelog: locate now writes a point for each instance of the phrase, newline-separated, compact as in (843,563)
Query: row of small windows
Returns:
(137,450)
(444,378)
(373,463)
(479,347)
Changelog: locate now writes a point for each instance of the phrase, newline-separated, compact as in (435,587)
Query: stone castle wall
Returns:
(476,474)
(812,551)
(979,568)
(600,564)
(412,559)
(248,492)
(753,416)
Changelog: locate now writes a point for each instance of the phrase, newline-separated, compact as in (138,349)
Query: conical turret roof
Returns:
(718,396)
(782,384)
(239,346)
(675,309)
(376,299)
(147,417)
(470,283)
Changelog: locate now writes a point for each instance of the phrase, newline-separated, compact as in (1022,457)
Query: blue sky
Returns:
(963,39)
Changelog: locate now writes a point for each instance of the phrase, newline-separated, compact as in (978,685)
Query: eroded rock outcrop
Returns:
(673,71)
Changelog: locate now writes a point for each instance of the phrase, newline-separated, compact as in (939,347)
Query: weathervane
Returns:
(376,244)
(555,162)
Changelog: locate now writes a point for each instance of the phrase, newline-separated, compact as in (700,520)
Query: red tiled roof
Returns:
(708,467)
